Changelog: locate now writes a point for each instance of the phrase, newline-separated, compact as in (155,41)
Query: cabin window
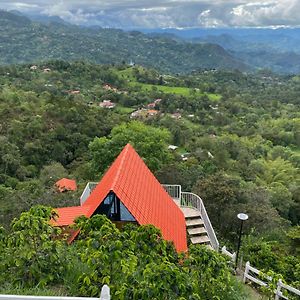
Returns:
(114,209)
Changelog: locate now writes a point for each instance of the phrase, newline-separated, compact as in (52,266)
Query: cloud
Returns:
(166,13)
(283,12)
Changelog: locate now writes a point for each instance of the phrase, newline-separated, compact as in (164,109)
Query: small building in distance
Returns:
(65,185)
(108,87)
(172,147)
(33,68)
(176,116)
(46,70)
(74,92)
(107,104)
(144,113)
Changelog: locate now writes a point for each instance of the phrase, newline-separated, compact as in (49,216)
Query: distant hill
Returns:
(275,49)
(23,40)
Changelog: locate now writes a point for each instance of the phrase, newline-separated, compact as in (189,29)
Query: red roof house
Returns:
(66,184)
(129,192)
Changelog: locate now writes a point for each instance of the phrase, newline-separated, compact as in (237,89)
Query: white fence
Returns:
(250,272)
(280,284)
(105,295)
(231,255)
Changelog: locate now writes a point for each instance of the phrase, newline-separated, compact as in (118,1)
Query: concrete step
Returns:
(194,222)
(190,212)
(200,239)
(197,231)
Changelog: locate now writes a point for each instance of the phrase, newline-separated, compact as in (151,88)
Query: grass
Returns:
(177,90)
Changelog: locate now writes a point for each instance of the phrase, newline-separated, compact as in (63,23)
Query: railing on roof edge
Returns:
(87,191)
(194,201)
(174,190)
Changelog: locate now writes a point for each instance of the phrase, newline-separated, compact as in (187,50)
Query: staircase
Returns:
(195,227)
(198,225)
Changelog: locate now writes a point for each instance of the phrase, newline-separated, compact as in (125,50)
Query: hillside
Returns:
(238,148)
(25,41)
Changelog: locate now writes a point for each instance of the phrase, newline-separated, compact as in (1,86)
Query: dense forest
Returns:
(24,41)
(238,139)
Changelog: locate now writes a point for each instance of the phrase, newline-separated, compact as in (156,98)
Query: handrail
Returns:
(174,190)
(193,200)
(87,191)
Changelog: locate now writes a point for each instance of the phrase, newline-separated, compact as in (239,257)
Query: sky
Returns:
(165,13)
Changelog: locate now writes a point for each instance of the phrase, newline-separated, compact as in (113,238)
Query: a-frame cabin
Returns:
(129,192)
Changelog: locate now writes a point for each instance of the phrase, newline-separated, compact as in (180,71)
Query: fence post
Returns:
(105,293)
(233,257)
(246,271)
(278,290)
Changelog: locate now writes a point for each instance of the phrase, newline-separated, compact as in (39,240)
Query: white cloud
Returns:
(166,13)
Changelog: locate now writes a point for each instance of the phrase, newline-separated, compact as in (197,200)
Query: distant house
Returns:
(136,114)
(152,112)
(65,184)
(33,68)
(176,116)
(144,113)
(129,193)
(172,147)
(185,156)
(74,92)
(108,87)
(107,104)
(154,104)
(46,70)
(151,105)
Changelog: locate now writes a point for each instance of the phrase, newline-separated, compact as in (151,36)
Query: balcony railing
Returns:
(87,191)
(193,201)
(183,199)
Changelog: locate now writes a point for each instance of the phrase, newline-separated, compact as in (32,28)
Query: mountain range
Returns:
(28,39)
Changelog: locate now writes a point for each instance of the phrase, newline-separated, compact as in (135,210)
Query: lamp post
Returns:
(243,217)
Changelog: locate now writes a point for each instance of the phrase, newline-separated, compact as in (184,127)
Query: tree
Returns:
(148,141)
(51,173)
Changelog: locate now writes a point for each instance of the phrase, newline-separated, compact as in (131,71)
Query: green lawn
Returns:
(177,90)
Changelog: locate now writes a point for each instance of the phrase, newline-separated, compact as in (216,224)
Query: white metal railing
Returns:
(193,201)
(280,285)
(87,191)
(174,190)
(105,295)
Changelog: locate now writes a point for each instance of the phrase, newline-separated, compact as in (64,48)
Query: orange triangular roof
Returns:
(134,184)
(66,184)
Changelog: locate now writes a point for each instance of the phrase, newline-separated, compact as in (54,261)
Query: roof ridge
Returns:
(120,167)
